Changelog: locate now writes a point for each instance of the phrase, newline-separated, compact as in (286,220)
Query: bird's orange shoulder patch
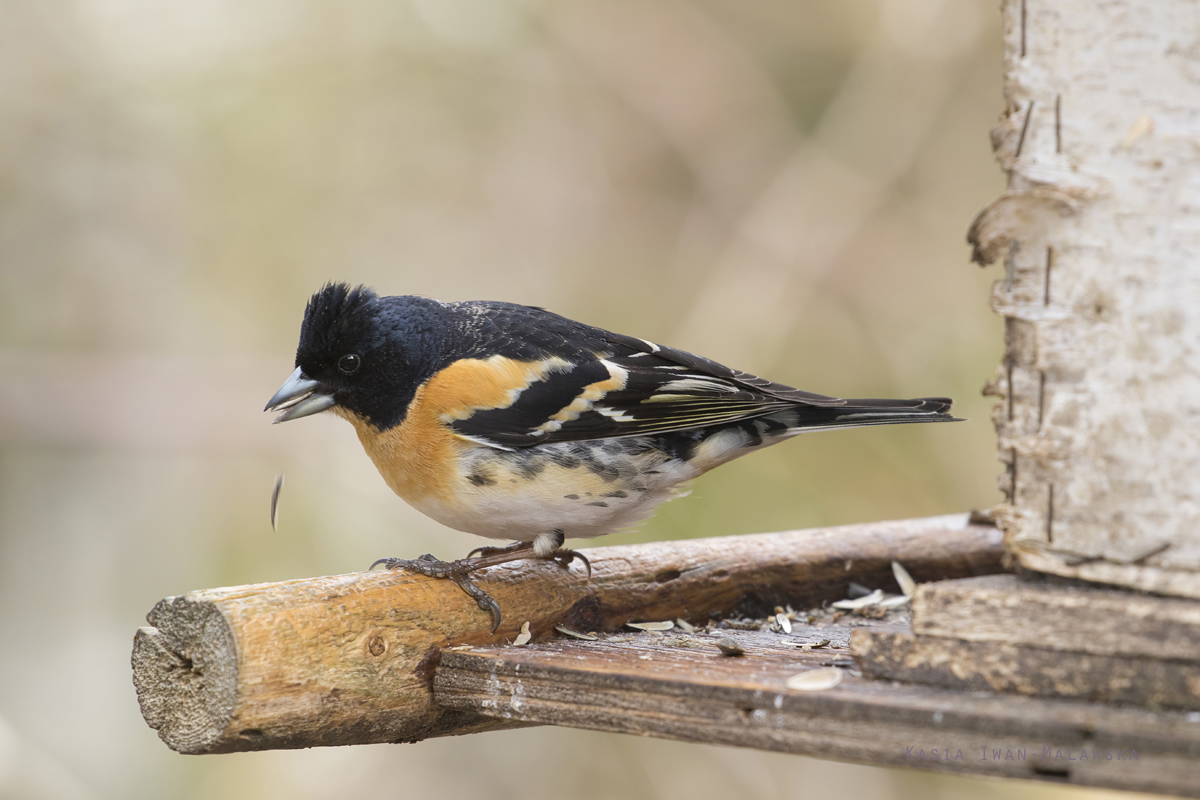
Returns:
(472,384)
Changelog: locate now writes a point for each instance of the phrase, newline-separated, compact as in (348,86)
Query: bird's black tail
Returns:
(866,411)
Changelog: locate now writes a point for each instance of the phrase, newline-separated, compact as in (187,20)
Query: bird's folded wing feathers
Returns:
(631,387)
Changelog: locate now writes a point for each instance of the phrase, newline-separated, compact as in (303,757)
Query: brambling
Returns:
(511,422)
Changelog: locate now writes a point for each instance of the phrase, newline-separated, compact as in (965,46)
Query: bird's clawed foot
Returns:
(458,572)
(481,557)
(564,557)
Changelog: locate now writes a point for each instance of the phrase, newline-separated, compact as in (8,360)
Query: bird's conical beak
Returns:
(299,397)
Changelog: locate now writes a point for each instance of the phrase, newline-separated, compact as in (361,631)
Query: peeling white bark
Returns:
(1099,232)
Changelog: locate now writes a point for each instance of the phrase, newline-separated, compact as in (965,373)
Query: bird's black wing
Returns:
(606,385)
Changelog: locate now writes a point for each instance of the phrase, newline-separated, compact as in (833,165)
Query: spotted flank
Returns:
(584,488)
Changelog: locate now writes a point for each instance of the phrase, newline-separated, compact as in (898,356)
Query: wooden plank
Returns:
(348,659)
(999,667)
(1039,557)
(1003,608)
(664,687)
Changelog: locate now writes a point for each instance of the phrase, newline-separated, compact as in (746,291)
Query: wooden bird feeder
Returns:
(1082,668)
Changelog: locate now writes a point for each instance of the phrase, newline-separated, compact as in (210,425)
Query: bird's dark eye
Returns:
(349,363)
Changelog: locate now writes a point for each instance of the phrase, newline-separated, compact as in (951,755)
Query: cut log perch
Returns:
(348,659)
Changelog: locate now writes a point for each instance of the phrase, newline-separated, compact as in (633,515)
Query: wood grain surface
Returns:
(1000,667)
(348,659)
(684,688)
(1082,619)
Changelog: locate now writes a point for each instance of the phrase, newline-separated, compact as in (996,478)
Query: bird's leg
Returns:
(552,547)
(547,546)
(491,551)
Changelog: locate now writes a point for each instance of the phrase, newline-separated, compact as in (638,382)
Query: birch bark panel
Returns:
(1099,235)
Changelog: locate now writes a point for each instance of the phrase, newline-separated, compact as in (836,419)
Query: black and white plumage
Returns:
(661,390)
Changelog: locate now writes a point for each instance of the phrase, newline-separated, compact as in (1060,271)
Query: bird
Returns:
(511,422)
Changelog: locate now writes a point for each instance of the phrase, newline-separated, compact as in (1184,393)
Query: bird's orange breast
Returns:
(419,458)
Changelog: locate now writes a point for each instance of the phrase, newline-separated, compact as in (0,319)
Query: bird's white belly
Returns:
(583,489)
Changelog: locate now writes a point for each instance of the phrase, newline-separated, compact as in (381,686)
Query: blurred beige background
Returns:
(781,185)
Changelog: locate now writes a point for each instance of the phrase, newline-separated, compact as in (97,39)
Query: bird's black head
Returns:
(363,353)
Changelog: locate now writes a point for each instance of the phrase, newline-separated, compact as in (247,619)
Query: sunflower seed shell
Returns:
(651,626)
(907,584)
(815,680)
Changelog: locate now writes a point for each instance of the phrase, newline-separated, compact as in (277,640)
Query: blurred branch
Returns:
(349,659)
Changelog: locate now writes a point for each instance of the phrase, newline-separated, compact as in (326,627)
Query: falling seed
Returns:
(275,501)
(651,626)
(587,637)
(685,625)
(862,602)
(907,584)
(894,600)
(784,622)
(730,647)
(524,636)
(816,680)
